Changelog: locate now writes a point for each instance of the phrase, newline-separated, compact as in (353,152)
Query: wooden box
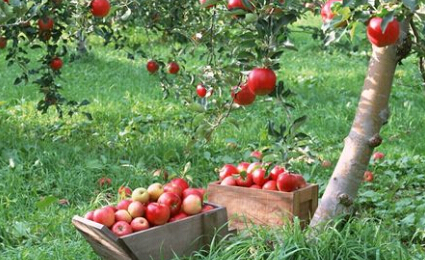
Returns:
(179,238)
(247,206)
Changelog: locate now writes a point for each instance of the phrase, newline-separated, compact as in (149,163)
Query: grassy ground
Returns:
(135,132)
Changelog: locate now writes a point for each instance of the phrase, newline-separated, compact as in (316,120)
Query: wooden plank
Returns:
(261,207)
(102,240)
(252,206)
(180,238)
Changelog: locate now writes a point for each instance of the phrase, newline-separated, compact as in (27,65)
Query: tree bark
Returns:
(372,113)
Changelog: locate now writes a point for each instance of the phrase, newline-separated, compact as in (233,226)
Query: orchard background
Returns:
(100,113)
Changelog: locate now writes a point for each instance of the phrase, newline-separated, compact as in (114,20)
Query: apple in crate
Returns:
(227,170)
(104,216)
(155,190)
(173,187)
(287,182)
(179,216)
(123,215)
(193,191)
(228,181)
(157,214)
(139,223)
(136,209)
(172,200)
(89,215)
(192,204)
(141,195)
(123,204)
(181,182)
(122,228)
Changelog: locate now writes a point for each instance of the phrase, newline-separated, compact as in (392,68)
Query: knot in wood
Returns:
(375,141)
(345,200)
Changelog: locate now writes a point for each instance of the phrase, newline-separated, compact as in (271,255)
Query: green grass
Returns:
(135,132)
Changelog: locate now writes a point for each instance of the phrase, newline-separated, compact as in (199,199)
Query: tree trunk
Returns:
(372,113)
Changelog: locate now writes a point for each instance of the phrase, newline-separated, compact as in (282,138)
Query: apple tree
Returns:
(389,31)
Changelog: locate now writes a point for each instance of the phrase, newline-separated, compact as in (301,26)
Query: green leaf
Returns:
(187,167)
(246,55)
(409,220)
(196,107)
(298,123)
(385,20)
(411,4)
(47,201)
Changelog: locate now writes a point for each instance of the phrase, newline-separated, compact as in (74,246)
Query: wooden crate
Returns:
(247,206)
(162,242)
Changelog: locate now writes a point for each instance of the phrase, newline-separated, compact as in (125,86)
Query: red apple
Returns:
(201,90)
(174,188)
(155,190)
(326,11)
(152,66)
(378,156)
(45,24)
(192,205)
(203,2)
(259,176)
(368,176)
(202,191)
(243,167)
(242,95)
(140,194)
(179,216)
(181,182)
(123,204)
(287,182)
(136,209)
(257,154)
(89,215)
(123,215)
(172,200)
(139,223)
(3,42)
(104,181)
(301,183)
(270,185)
(121,228)
(207,208)
(193,191)
(114,208)
(381,38)
(157,214)
(326,164)
(276,171)
(56,63)
(173,67)
(104,216)
(261,81)
(124,192)
(228,181)
(100,8)
(227,170)
(253,166)
(238,4)
(244,180)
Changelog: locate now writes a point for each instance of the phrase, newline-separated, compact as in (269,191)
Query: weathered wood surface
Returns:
(262,207)
(180,238)
(101,239)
